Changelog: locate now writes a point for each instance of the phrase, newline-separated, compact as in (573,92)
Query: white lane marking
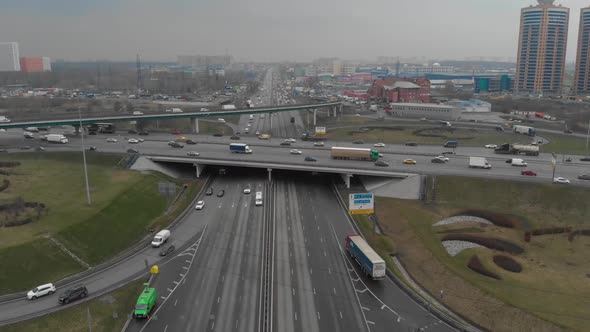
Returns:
(364,290)
(223,278)
(213,325)
(185,267)
(166,328)
(175,302)
(329,271)
(341,315)
(163,298)
(181,275)
(293,291)
(365,308)
(170,290)
(334,291)
(175,282)
(236,323)
(314,291)
(370,322)
(187,261)
(295,315)
(325,254)
(218,298)
(318,315)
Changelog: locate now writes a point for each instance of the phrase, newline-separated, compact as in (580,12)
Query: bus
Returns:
(259,198)
(104,128)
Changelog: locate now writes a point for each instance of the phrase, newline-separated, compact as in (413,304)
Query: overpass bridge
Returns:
(194,116)
(345,172)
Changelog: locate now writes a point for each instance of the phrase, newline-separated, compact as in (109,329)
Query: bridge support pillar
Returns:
(269,174)
(199,168)
(77,129)
(346,177)
(195,126)
(340,109)
(335,108)
(315,112)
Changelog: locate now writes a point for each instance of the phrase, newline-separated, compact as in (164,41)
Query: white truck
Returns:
(176,110)
(525,130)
(479,162)
(518,162)
(56,138)
(228,107)
(160,238)
(258,200)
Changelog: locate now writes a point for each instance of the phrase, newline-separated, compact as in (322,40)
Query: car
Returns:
(132,151)
(92,132)
(508,161)
(357,115)
(175,145)
(561,180)
(379,145)
(247,190)
(131,131)
(534,143)
(143,133)
(166,249)
(308,158)
(209,192)
(235,138)
(437,161)
(192,154)
(444,153)
(411,144)
(423,119)
(133,141)
(92,148)
(40,149)
(528,172)
(540,141)
(290,140)
(295,151)
(25,147)
(180,139)
(568,159)
(200,205)
(42,290)
(285,144)
(221,193)
(490,146)
(443,158)
(190,142)
(409,162)
(221,120)
(218,134)
(319,143)
(584,177)
(381,163)
(112,140)
(568,131)
(358,141)
(72,294)
(175,132)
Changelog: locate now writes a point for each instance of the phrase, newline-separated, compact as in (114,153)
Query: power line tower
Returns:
(139,79)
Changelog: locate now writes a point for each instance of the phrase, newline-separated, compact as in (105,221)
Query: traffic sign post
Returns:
(361,203)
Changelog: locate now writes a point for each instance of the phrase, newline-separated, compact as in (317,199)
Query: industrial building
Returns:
(428,111)
(400,90)
(542,46)
(9,57)
(35,64)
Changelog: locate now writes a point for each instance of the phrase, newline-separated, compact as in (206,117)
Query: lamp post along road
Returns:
(84,158)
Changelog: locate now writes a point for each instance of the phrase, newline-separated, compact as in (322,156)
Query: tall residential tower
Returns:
(542,44)
(9,57)
(582,80)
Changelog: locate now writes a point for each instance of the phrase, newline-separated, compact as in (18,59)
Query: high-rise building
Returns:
(203,60)
(35,64)
(582,80)
(9,57)
(542,44)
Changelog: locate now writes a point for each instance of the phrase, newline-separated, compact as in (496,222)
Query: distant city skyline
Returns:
(270,30)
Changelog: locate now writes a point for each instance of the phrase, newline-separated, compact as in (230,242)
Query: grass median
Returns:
(107,313)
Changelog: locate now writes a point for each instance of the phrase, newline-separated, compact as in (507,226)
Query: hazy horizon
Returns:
(268,30)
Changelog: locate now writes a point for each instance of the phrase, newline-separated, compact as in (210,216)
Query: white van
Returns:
(176,110)
(160,238)
(258,198)
(518,162)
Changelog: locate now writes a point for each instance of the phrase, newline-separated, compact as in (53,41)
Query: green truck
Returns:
(146,302)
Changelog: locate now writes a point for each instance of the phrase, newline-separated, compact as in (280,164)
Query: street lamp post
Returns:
(553,165)
(84,158)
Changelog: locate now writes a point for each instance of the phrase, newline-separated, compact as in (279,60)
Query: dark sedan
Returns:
(167,249)
(221,193)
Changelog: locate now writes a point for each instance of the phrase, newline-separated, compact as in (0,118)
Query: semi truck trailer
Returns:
(354,153)
(506,148)
(56,138)
(239,148)
(525,130)
(371,263)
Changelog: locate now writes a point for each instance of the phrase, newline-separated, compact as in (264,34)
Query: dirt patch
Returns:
(20,213)
(571,236)
(9,163)
(5,184)
(490,243)
(508,263)
(498,219)
(551,230)
(462,230)
(475,265)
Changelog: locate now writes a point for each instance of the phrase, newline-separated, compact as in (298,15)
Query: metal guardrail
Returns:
(447,317)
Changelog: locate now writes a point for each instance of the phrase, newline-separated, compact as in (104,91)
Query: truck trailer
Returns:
(56,138)
(355,153)
(506,148)
(371,263)
(312,137)
(239,148)
(479,162)
(525,130)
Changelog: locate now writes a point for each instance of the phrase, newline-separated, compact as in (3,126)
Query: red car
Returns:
(175,132)
(528,172)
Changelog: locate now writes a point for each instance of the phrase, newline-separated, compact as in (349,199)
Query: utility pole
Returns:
(553,165)
(587,137)
(139,79)
(84,158)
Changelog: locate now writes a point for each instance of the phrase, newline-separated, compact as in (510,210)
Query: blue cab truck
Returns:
(371,263)
(451,144)
(239,148)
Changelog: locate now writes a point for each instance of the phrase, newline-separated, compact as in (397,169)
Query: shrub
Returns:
(4,185)
(573,234)
(9,163)
(498,219)
(490,243)
(475,265)
(551,230)
(508,263)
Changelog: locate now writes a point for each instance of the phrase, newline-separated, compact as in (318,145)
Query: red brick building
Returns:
(400,90)
(34,64)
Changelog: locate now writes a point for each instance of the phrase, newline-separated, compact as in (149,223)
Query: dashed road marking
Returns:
(175,302)
(370,322)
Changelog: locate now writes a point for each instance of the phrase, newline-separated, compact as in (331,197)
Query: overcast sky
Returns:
(268,30)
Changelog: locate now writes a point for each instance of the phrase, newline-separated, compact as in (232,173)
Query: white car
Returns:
(112,140)
(443,158)
(141,140)
(200,205)
(221,120)
(320,143)
(133,141)
(290,140)
(137,113)
(257,132)
(379,145)
(561,180)
(247,190)
(490,146)
(295,151)
(39,291)
(192,154)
